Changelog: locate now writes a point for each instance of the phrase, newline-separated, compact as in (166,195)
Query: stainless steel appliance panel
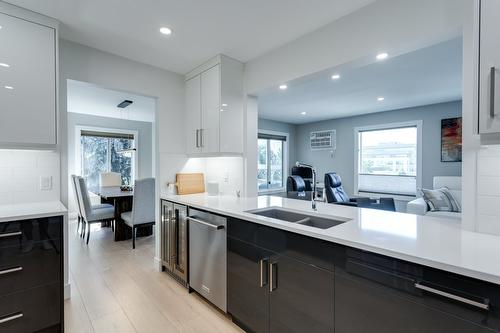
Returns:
(208,256)
(174,240)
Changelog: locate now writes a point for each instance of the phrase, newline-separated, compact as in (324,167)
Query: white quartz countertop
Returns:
(31,210)
(430,241)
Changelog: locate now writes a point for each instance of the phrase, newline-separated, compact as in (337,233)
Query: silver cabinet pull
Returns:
(213,226)
(272,277)
(11,270)
(201,137)
(11,318)
(483,306)
(262,263)
(492,92)
(197,138)
(11,234)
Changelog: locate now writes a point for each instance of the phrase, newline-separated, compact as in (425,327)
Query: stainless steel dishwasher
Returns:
(207,256)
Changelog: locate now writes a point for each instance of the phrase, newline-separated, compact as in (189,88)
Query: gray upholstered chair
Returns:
(74,180)
(92,214)
(143,207)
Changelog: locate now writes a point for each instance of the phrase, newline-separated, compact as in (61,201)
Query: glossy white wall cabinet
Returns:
(214,108)
(489,67)
(27,81)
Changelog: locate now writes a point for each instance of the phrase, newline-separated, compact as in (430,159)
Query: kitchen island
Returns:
(377,271)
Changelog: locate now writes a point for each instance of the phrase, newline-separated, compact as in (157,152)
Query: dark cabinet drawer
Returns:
(425,291)
(31,310)
(21,268)
(364,306)
(309,250)
(24,233)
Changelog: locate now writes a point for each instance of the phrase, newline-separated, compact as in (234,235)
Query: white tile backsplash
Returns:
(20,173)
(488,189)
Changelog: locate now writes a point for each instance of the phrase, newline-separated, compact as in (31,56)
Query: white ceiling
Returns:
(93,100)
(426,76)
(242,29)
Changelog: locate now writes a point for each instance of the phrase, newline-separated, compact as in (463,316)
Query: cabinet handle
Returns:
(210,225)
(197,138)
(201,137)
(483,306)
(11,234)
(492,92)
(11,317)
(262,263)
(11,270)
(273,277)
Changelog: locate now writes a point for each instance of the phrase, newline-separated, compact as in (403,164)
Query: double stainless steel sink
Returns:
(291,216)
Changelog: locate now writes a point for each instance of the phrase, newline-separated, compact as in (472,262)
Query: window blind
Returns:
(107,135)
(266,136)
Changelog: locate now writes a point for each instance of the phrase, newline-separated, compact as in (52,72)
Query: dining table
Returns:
(122,201)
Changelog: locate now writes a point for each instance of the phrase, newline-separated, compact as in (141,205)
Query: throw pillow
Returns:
(440,200)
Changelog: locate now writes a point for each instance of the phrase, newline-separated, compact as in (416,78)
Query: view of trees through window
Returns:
(270,164)
(103,154)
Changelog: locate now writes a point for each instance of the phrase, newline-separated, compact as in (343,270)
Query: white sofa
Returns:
(453,183)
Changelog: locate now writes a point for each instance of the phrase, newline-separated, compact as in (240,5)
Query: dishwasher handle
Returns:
(210,225)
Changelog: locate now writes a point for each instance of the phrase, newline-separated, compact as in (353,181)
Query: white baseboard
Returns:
(67,291)
(158,264)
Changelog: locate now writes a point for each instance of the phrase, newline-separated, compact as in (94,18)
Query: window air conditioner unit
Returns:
(324,140)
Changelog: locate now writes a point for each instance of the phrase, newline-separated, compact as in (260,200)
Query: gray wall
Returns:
(342,161)
(145,142)
(271,125)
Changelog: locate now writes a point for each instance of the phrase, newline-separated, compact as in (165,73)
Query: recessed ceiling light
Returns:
(4,65)
(9,87)
(380,99)
(166,31)
(283,87)
(303,113)
(335,76)
(224,104)
(382,56)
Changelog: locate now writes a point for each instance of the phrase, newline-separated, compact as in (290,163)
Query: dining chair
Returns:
(92,214)
(79,213)
(143,207)
(110,179)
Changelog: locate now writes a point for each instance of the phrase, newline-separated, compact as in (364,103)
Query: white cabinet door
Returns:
(210,109)
(27,84)
(193,115)
(489,68)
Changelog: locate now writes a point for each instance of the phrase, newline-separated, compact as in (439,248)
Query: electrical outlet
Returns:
(45,183)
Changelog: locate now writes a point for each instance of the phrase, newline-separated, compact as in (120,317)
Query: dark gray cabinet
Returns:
(301,297)
(284,282)
(31,275)
(247,283)
(272,292)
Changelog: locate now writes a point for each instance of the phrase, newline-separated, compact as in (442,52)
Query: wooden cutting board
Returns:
(190,183)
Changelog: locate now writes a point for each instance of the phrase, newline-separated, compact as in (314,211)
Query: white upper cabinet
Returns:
(28,81)
(489,67)
(214,108)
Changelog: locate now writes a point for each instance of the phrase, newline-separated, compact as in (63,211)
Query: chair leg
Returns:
(78,227)
(84,225)
(113,225)
(134,234)
(88,233)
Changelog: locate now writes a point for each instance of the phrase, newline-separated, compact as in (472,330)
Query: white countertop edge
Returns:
(461,270)
(31,210)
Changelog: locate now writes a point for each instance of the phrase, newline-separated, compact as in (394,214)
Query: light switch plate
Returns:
(45,183)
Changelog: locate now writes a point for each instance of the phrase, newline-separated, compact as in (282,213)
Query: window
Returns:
(101,152)
(271,161)
(388,159)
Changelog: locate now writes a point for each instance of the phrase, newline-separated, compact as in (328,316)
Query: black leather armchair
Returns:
(335,193)
(298,188)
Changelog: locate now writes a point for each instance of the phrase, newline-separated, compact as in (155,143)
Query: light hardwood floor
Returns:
(117,289)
